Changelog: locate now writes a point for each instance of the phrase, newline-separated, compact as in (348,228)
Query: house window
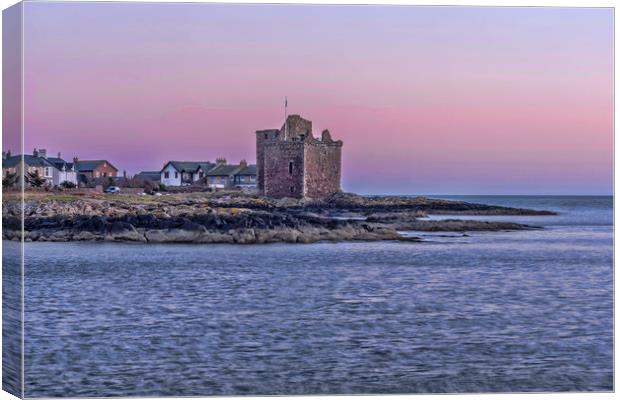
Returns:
(105,174)
(166,174)
(266,136)
(176,175)
(48,171)
(200,174)
(96,174)
(252,178)
(290,167)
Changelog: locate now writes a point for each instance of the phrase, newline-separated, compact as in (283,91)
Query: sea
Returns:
(518,311)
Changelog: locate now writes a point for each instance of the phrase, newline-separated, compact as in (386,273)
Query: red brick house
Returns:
(93,169)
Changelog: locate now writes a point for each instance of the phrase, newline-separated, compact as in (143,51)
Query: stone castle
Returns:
(291,162)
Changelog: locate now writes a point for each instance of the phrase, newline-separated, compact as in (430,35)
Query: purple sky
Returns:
(445,100)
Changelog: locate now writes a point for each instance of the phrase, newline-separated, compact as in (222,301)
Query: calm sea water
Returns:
(508,311)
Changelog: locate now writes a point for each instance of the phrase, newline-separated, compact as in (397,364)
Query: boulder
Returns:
(194,235)
(123,231)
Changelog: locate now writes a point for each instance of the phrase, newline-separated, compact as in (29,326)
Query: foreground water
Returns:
(507,311)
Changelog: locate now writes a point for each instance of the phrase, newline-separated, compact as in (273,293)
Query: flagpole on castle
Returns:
(285,117)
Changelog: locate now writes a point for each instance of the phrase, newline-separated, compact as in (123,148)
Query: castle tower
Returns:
(291,162)
(262,137)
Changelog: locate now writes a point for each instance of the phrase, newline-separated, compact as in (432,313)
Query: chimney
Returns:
(220,160)
(125,173)
(59,155)
(8,153)
(243,163)
(42,153)
(75,159)
(35,153)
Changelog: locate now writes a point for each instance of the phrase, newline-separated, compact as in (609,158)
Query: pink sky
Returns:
(445,100)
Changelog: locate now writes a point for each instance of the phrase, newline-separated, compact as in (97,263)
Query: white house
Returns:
(64,171)
(183,173)
(54,170)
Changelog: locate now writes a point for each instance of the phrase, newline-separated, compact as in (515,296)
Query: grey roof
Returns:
(151,175)
(232,169)
(28,160)
(55,160)
(225,170)
(190,166)
(59,162)
(90,165)
(248,170)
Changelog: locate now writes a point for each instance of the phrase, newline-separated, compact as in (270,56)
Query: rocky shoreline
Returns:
(240,218)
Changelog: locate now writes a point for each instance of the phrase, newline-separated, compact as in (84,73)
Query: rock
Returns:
(123,231)
(456,225)
(216,237)
(242,218)
(244,236)
(196,234)
(87,236)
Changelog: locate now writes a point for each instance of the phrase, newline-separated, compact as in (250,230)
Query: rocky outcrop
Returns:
(221,219)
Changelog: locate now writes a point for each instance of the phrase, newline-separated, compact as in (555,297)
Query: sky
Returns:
(427,100)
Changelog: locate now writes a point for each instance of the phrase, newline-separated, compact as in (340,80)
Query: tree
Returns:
(9,180)
(33,179)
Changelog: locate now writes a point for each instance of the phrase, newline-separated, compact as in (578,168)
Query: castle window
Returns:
(290,167)
(266,136)
(292,189)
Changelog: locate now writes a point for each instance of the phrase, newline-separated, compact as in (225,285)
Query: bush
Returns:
(34,180)
(9,180)
(67,185)
(148,187)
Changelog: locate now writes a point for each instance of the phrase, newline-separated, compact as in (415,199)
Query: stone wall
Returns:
(262,136)
(322,169)
(296,128)
(284,169)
